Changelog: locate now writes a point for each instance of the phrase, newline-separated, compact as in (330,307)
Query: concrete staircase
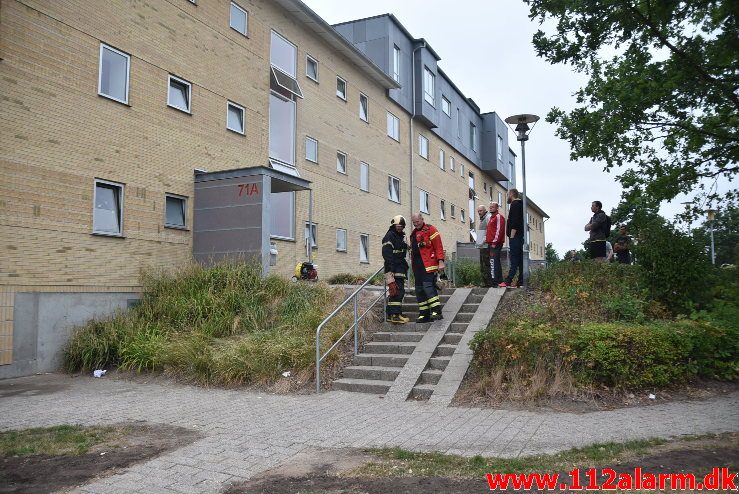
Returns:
(429,378)
(375,369)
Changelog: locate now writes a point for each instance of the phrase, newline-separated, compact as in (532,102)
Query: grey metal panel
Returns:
(266,225)
(360,31)
(225,193)
(376,50)
(206,243)
(225,218)
(377,28)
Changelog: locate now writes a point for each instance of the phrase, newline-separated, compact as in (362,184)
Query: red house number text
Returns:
(248,189)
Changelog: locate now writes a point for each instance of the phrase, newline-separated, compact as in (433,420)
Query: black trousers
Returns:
(395,304)
(496,270)
(487,280)
(426,294)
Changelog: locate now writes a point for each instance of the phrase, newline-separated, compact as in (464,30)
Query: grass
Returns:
(223,325)
(62,440)
(396,462)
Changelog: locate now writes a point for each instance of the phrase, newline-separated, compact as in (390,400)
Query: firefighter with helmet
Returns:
(427,258)
(394,250)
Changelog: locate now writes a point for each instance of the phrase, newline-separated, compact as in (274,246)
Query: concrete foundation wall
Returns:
(44,321)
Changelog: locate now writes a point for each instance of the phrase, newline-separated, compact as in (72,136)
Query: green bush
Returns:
(219,325)
(467,272)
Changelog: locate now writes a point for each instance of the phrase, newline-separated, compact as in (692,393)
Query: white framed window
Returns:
(313,235)
(500,148)
(341,162)
(281,128)
(364,176)
(175,211)
(283,54)
(484,186)
(473,137)
(179,94)
(341,88)
(282,215)
(500,199)
(461,170)
(235,117)
(461,215)
(451,163)
(452,210)
(423,147)
(442,210)
(107,214)
(429,82)
(446,106)
(364,248)
(396,63)
(311,149)
(393,188)
(113,74)
(393,126)
(423,200)
(363,107)
(340,240)
(459,124)
(311,68)
(239,19)
(471,181)
(442,159)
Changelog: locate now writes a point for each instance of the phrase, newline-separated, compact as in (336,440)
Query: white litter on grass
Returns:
(99,373)
(652,397)
(286,374)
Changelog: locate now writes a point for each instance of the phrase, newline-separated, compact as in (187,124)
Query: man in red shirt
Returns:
(495,237)
(427,258)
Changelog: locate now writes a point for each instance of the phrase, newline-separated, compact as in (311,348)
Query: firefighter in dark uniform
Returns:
(394,250)
(427,259)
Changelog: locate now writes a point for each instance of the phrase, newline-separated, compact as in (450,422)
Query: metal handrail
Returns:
(354,326)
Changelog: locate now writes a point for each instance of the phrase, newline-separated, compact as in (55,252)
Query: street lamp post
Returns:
(522,131)
(711,217)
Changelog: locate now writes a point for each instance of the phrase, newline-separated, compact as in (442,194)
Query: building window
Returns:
(283,54)
(364,176)
(500,198)
(471,181)
(341,162)
(500,148)
(313,236)
(235,117)
(113,74)
(446,106)
(311,68)
(363,107)
(484,186)
(341,88)
(239,19)
(473,137)
(451,210)
(179,94)
(363,247)
(393,126)
(459,124)
(461,170)
(393,188)
(282,215)
(423,147)
(429,80)
(441,159)
(311,149)
(461,215)
(341,240)
(281,129)
(175,210)
(451,163)
(107,216)
(396,63)
(423,200)
(442,210)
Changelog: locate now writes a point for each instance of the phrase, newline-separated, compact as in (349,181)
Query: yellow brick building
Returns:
(109,109)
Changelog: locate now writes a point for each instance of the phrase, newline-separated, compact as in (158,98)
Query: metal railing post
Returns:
(384,299)
(318,364)
(356,326)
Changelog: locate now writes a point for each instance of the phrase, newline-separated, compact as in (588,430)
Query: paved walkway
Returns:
(246,433)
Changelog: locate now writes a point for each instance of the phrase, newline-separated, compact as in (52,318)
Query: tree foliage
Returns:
(662,97)
(551,254)
(725,236)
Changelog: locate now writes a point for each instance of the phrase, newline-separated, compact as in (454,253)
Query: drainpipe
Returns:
(413,115)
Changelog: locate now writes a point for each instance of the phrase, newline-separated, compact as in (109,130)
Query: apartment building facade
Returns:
(135,135)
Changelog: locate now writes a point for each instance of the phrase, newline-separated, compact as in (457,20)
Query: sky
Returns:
(486,50)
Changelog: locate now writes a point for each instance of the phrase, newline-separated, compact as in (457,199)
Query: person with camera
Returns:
(427,259)
(394,249)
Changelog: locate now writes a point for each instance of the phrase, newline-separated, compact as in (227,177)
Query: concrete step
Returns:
(444,350)
(451,338)
(406,336)
(411,299)
(458,327)
(407,327)
(371,372)
(439,363)
(479,291)
(468,307)
(380,359)
(464,316)
(474,299)
(389,347)
(430,376)
(362,386)
(421,392)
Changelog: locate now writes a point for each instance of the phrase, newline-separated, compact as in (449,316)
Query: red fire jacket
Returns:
(495,234)
(429,246)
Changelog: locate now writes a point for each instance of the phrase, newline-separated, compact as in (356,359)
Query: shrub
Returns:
(467,272)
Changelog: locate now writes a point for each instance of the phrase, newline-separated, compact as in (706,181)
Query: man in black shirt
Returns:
(598,228)
(515,233)
(622,246)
